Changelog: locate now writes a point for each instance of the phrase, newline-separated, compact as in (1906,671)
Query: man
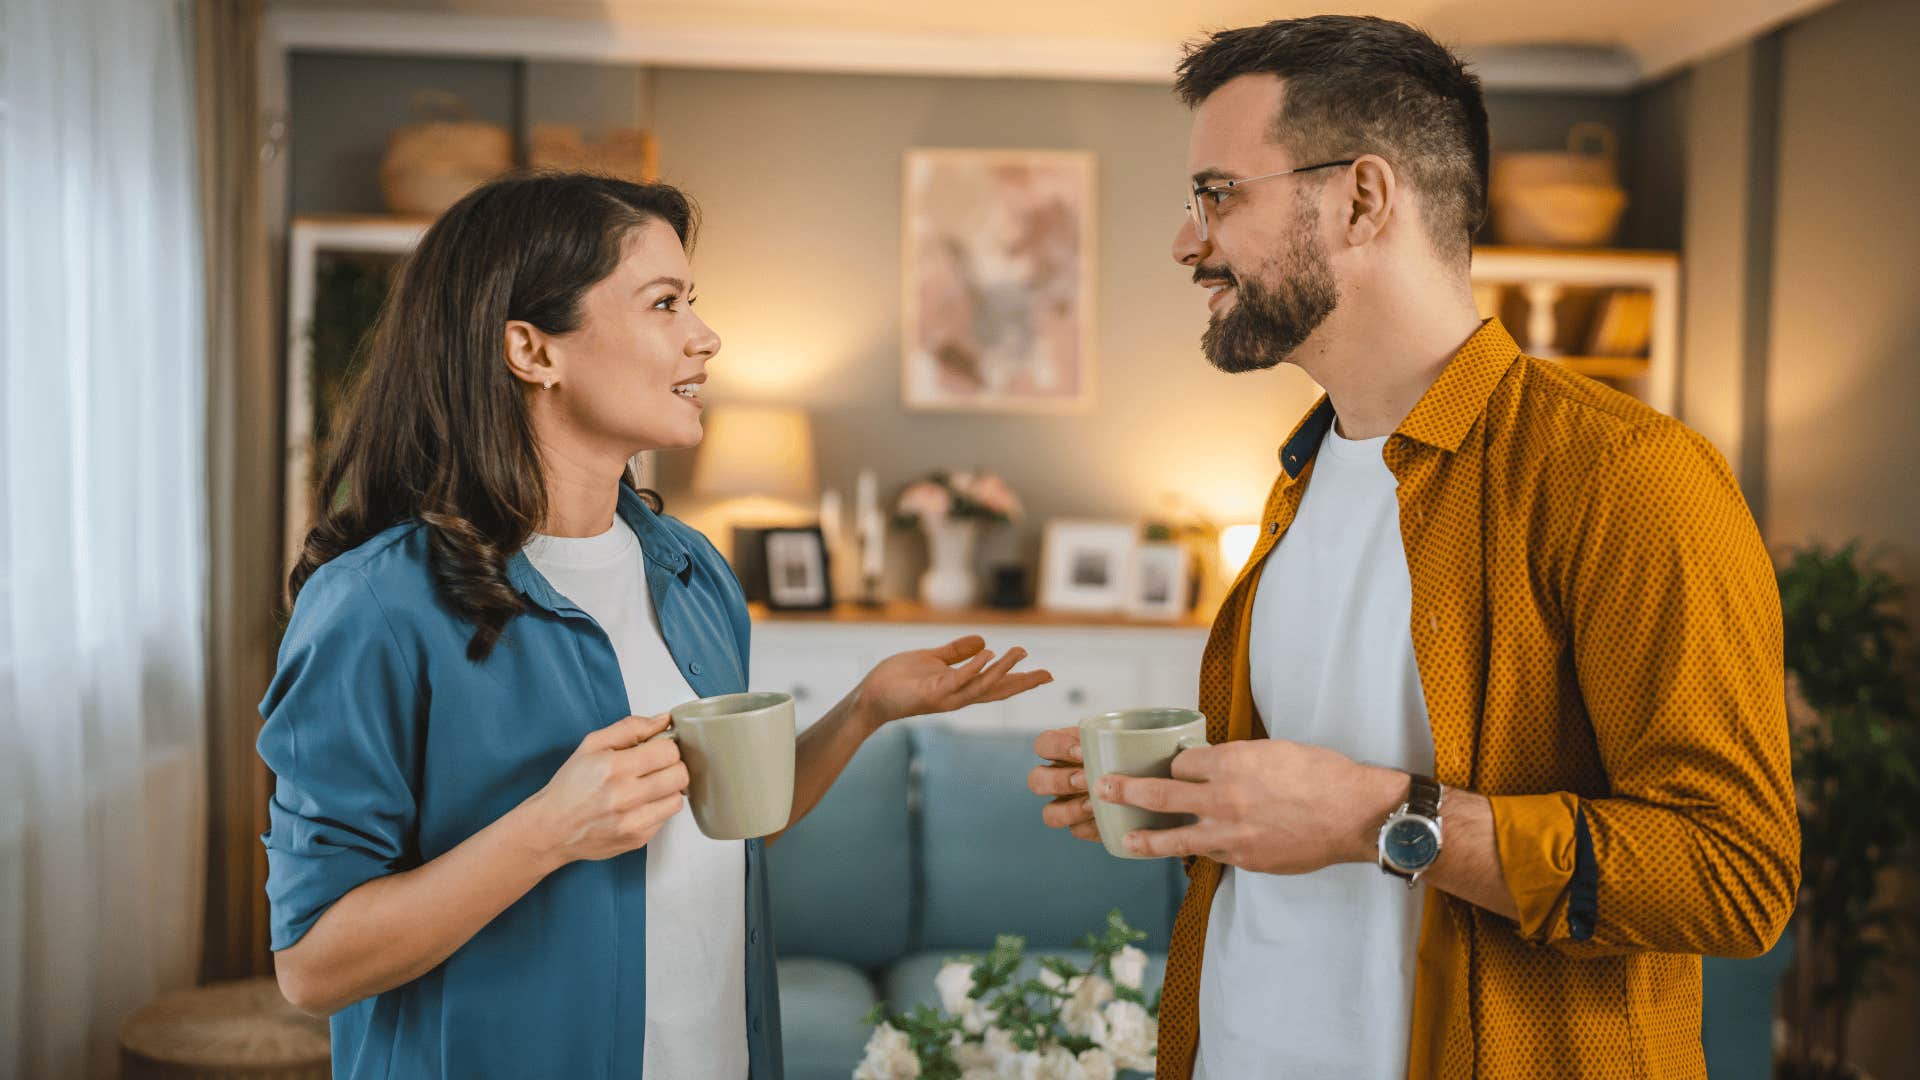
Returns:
(1523,616)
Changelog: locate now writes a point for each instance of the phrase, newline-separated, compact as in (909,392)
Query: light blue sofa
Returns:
(930,844)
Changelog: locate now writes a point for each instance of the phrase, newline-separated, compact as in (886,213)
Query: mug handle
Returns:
(1193,742)
(666,733)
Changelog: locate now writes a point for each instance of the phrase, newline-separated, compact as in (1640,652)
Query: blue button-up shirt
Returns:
(390,748)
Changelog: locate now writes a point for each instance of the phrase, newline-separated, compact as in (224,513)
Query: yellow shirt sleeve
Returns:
(1674,615)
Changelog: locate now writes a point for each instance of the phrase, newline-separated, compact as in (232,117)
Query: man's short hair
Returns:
(1362,85)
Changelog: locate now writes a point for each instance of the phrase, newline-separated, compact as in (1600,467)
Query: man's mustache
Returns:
(1205,274)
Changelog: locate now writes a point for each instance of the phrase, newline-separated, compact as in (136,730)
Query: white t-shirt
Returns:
(696,1026)
(1312,975)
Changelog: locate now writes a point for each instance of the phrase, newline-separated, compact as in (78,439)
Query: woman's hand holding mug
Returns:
(613,794)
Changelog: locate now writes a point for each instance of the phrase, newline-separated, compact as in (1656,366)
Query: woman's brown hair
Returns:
(435,427)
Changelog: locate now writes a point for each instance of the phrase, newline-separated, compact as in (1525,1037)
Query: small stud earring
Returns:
(548,383)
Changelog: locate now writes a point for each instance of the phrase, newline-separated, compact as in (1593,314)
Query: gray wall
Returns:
(799,265)
(1802,348)
(800,178)
(1653,168)
(1843,438)
(1843,379)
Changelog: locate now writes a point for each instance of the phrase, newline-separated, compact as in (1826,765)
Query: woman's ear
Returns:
(528,357)
(1373,191)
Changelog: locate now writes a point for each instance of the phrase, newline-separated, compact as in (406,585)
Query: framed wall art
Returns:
(998,277)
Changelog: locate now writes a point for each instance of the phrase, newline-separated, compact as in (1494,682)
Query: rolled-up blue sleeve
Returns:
(342,737)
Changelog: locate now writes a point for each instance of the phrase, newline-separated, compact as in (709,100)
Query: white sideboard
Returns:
(1097,665)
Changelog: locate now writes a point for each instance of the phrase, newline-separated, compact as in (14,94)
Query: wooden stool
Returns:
(229,1029)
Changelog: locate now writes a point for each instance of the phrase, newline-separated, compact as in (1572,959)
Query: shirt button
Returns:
(753,937)
(756,1025)
(694,667)
(1273,528)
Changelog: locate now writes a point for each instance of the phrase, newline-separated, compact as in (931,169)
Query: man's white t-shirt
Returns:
(1312,975)
(696,1016)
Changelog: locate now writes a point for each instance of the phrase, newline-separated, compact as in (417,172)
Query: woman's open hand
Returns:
(960,673)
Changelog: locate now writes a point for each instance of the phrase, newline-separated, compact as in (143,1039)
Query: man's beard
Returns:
(1265,326)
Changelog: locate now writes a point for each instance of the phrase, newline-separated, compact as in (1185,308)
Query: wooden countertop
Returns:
(910,613)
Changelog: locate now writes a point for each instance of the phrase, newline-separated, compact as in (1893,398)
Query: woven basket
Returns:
(440,157)
(224,1030)
(628,153)
(1559,215)
(1559,198)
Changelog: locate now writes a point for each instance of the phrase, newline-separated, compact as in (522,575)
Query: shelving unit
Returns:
(309,240)
(1537,280)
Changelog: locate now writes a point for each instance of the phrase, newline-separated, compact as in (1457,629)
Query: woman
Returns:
(476,864)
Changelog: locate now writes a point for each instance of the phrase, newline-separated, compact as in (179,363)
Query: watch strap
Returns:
(1423,796)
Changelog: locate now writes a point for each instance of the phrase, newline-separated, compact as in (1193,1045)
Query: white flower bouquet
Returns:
(1064,1024)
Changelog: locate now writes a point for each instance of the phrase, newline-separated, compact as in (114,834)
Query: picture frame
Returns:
(1159,584)
(798,572)
(1086,566)
(997,278)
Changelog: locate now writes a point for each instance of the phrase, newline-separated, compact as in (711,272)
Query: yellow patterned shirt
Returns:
(1597,628)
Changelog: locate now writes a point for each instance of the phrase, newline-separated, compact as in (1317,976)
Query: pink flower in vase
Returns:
(924,501)
(993,493)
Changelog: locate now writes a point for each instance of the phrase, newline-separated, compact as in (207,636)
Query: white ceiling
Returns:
(1631,39)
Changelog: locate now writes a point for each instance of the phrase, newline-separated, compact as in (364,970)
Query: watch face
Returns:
(1412,844)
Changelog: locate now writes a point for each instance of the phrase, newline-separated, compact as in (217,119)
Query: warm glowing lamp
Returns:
(1236,547)
(758,450)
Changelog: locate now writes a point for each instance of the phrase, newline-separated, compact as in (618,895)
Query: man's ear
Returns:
(1373,194)
(527,354)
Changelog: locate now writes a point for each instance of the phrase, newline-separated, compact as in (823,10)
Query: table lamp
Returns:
(756,450)
(760,458)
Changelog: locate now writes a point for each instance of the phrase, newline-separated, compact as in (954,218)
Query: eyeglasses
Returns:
(1196,207)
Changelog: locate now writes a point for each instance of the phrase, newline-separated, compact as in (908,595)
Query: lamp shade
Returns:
(756,450)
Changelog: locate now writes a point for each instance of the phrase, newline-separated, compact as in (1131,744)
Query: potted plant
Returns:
(1856,763)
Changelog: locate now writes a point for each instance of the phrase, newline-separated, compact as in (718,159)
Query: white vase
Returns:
(949,581)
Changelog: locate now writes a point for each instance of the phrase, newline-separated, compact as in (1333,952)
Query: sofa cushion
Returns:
(990,866)
(1736,1027)
(823,1017)
(843,878)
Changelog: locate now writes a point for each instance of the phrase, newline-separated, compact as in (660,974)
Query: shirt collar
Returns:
(1447,411)
(1443,415)
(658,542)
(1307,434)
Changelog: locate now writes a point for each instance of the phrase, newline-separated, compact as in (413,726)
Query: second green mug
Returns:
(1135,742)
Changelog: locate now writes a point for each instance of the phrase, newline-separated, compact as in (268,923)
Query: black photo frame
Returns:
(798,569)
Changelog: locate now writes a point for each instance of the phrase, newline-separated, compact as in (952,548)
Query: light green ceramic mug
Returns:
(738,749)
(1135,742)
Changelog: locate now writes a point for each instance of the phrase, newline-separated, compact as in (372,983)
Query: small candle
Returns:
(869,524)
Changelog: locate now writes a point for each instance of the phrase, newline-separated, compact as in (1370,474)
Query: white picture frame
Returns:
(1087,566)
(1159,585)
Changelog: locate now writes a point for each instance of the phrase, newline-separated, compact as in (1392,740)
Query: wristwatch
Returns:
(1410,839)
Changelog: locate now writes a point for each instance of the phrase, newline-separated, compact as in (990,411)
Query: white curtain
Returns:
(102,527)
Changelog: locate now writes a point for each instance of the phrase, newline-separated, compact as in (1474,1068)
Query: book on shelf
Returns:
(1622,324)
